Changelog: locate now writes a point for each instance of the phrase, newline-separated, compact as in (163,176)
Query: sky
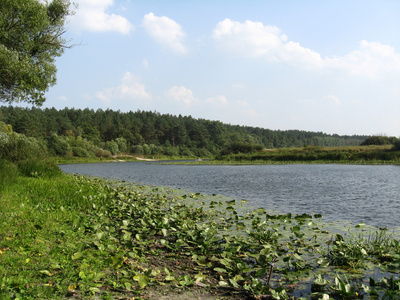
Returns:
(329,66)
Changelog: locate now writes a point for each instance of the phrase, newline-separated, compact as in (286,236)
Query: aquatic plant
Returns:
(73,236)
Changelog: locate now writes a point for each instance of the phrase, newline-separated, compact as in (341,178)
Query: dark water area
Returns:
(367,194)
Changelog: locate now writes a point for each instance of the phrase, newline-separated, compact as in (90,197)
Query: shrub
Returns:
(241,148)
(397,145)
(58,145)
(99,152)
(19,147)
(377,140)
(80,152)
(9,173)
(112,146)
(137,149)
(39,168)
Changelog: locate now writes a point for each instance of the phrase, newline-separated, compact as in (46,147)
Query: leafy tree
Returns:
(6,128)
(58,144)
(397,145)
(17,147)
(30,39)
(112,146)
(377,140)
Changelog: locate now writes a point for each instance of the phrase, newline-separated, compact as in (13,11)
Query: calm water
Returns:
(368,194)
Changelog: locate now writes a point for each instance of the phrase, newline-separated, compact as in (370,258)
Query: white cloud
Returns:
(181,94)
(166,32)
(371,59)
(217,101)
(333,100)
(242,103)
(130,88)
(63,98)
(251,39)
(256,40)
(91,15)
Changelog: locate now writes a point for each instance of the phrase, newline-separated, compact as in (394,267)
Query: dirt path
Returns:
(145,159)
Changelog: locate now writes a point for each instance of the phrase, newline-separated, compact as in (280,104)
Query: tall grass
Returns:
(8,174)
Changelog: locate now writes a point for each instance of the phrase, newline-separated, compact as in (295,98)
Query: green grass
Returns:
(350,155)
(76,237)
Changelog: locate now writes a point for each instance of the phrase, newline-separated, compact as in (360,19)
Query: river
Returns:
(367,194)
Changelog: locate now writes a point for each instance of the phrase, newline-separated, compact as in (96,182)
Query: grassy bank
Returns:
(352,155)
(75,237)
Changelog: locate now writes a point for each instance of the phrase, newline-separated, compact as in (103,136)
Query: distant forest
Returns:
(86,132)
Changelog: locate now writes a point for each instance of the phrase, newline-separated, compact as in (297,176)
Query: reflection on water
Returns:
(368,194)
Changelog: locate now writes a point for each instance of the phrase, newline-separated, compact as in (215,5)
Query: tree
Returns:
(376,140)
(31,37)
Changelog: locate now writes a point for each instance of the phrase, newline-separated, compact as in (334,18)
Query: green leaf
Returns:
(142,279)
(169,278)
(127,235)
(220,270)
(46,272)
(223,283)
(234,283)
(77,255)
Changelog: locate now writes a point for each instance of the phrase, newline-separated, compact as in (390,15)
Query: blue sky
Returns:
(330,66)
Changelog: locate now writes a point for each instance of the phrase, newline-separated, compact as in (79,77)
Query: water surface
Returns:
(356,193)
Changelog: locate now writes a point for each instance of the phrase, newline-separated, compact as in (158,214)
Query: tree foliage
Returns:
(102,132)
(379,140)
(31,37)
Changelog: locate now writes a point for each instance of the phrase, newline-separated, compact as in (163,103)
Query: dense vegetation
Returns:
(31,37)
(77,132)
(74,237)
(312,154)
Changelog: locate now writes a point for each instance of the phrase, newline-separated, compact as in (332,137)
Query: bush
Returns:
(99,152)
(19,147)
(397,145)
(377,140)
(112,146)
(39,168)
(236,148)
(58,145)
(80,152)
(9,173)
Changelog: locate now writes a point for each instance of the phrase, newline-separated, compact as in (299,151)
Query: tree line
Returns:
(100,132)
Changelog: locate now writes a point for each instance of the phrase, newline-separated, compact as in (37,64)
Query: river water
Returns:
(367,194)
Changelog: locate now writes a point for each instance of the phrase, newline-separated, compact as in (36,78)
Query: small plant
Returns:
(9,173)
(38,168)
(343,253)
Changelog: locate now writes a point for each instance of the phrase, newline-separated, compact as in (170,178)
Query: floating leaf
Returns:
(142,279)
(223,283)
(169,278)
(128,286)
(220,270)
(200,277)
(46,272)
(77,255)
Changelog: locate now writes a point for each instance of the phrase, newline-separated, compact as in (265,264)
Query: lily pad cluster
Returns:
(80,237)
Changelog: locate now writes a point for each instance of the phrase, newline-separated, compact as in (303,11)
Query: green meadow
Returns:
(75,237)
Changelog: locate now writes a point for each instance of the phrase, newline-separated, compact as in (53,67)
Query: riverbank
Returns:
(356,155)
(76,237)
(385,154)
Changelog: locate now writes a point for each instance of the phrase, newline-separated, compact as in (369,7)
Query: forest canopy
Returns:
(80,132)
